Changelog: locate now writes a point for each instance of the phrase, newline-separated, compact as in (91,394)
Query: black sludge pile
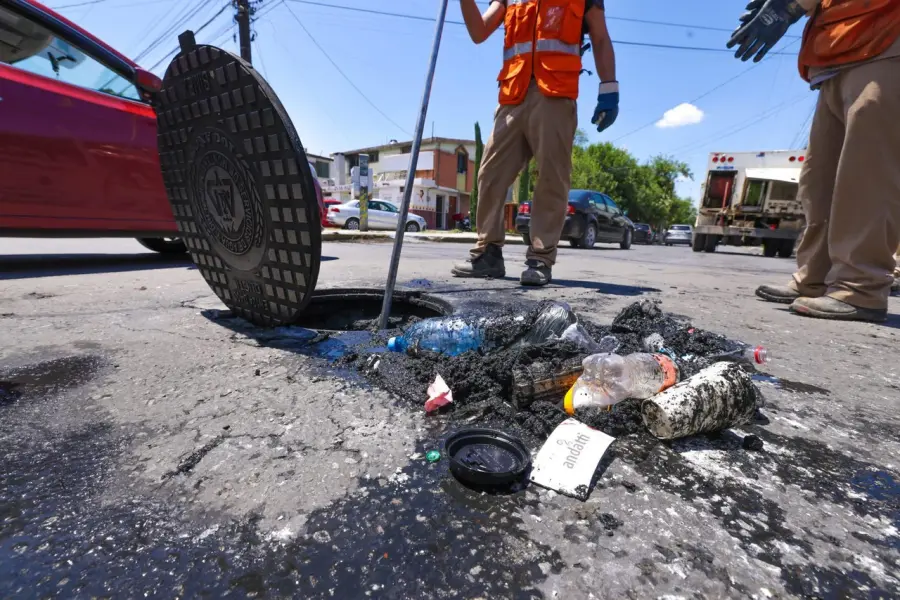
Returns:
(482,381)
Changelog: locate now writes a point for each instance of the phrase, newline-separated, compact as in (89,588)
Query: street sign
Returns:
(363,192)
(239,184)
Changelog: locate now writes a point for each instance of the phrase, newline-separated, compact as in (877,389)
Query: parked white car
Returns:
(678,234)
(382,215)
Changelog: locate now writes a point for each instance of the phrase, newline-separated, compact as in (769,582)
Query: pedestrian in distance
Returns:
(536,118)
(850,181)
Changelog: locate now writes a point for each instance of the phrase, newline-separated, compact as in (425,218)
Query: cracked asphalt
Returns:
(147,448)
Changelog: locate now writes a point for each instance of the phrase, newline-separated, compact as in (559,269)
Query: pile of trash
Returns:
(527,372)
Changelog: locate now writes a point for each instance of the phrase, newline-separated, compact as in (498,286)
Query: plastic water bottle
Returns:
(450,336)
(745,353)
(610,378)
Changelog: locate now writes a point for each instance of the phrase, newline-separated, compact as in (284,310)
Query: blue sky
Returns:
(766,108)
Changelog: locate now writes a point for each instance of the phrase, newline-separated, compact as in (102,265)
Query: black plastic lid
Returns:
(487,457)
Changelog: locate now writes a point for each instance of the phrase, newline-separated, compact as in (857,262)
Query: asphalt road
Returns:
(147,449)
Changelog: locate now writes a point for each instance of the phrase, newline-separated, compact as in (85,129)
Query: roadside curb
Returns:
(358,236)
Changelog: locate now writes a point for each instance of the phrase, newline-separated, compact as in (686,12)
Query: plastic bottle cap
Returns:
(393,345)
(568,401)
(760,355)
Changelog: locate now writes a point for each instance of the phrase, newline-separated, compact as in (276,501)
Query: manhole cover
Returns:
(239,184)
(357,309)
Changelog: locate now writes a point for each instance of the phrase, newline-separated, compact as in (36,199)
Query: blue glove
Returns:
(607,105)
(763,25)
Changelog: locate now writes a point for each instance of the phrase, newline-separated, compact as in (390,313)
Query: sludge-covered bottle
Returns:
(610,378)
(450,336)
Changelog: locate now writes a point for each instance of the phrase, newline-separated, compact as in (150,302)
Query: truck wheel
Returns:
(711,242)
(770,248)
(786,249)
(526,238)
(699,242)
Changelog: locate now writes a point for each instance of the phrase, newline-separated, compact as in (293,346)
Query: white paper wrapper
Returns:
(567,461)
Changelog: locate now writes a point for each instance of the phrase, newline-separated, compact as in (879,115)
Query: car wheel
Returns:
(589,238)
(526,238)
(625,244)
(412,227)
(352,224)
(164,245)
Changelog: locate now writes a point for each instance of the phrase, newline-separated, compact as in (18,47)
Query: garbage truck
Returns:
(750,198)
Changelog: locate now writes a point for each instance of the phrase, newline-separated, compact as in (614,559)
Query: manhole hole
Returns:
(358,309)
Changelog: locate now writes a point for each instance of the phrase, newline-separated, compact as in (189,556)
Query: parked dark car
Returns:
(593,217)
(643,234)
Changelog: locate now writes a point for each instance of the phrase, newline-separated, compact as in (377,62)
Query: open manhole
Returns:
(358,309)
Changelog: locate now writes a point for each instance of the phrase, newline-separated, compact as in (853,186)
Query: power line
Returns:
(178,23)
(196,31)
(708,92)
(661,23)
(343,74)
(450,22)
(758,118)
(804,128)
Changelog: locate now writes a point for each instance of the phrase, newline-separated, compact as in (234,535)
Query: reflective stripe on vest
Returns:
(521,1)
(542,46)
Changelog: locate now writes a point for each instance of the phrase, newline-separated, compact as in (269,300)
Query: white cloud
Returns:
(680,116)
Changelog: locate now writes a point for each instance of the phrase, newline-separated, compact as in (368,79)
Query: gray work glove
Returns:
(762,26)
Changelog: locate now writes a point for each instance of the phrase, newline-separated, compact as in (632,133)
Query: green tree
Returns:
(682,210)
(524,191)
(479,151)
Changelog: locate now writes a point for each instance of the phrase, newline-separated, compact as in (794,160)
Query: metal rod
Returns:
(411,174)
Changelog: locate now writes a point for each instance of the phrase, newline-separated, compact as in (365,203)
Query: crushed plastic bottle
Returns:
(550,324)
(609,379)
(450,336)
(557,322)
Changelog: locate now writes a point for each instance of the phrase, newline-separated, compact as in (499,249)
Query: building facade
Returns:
(445,174)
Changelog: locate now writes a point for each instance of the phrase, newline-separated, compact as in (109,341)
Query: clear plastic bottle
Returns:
(550,324)
(745,353)
(610,378)
(450,336)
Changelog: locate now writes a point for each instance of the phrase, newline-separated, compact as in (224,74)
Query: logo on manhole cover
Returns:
(223,197)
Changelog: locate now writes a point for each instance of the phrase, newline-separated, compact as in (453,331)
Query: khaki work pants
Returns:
(539,127)
(850,188)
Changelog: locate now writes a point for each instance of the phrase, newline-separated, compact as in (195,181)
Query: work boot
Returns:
(487,265)
(827,307)
(536,273)
(781,294)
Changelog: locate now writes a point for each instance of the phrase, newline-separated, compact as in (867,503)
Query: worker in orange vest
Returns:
(850,182)
(536,118)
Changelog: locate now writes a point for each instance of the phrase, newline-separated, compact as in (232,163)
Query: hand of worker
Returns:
(607,105)
(762,26)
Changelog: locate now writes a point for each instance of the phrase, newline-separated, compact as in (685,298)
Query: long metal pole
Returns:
(411,174)
(243,20)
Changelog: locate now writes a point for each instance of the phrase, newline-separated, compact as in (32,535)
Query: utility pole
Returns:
(243,20)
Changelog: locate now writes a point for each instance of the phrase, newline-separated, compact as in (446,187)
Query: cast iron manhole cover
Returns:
(239,184)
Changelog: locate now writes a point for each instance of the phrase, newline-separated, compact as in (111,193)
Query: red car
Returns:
(78,149)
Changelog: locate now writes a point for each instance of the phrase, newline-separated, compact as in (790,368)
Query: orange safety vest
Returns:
(848,31)
(543,41)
